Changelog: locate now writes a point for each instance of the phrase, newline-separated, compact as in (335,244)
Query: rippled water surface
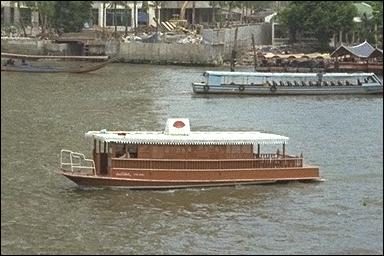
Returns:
(44,213)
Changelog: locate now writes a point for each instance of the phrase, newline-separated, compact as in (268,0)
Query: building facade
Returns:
(109,15)
(104,15)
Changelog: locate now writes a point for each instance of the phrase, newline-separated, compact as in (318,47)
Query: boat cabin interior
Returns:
(110,156)
(289,79)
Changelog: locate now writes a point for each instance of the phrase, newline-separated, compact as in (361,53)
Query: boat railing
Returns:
(207,163)
(377,79)
(75,162)
(273,155)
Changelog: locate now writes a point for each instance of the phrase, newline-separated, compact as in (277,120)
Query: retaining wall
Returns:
(171,53)
(32,46)
(217,47)
(262,33)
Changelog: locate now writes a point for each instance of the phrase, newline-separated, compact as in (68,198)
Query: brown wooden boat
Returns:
(180,158)
(50,69)
(37,57)
(23,66)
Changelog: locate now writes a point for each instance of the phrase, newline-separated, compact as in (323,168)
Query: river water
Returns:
(44,213)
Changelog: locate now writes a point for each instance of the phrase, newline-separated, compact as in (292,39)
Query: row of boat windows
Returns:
(131,150)
(290,81)
(316,83)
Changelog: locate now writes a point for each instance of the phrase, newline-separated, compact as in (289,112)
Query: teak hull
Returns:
(164,179)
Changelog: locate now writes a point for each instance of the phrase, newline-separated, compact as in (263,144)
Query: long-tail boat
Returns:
(180,158)
(56,57)
(24,66)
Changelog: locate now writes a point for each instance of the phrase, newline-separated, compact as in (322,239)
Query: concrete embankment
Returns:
(173,53)
(33,46)
(154,53)
(216,49)
(158,53)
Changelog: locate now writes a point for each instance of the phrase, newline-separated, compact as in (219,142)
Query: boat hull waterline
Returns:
(259,90)
(142,183)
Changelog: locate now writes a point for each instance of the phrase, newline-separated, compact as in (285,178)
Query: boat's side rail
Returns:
(207,164)
(377,79)
(290,80)
(74,161)
(273,155)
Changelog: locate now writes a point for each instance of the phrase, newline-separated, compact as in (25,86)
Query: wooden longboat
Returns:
(180,158)
(23,66)
(266,83)
(37,57)
(49,69)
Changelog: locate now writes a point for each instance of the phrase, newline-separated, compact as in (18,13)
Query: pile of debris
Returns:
(168,32)
(196,39)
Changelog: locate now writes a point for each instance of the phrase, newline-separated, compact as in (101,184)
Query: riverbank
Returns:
(173,53)
(127,52)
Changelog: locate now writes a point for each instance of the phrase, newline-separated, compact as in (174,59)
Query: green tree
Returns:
(222,5)
(292,19)
(377,12)
(21,19)
(378,22)
(46,11)
(231,5)
(320,19)
(70,16)
(214,5)
(371,24)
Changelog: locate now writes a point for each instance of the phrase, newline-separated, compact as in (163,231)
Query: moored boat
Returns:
(27,67)
(23,63)
(57,57)
(262,83)
(181,158)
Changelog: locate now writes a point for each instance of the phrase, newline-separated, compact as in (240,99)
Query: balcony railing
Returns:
(264,161)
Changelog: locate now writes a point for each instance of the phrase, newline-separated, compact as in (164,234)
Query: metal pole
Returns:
(233,57)
(254,51)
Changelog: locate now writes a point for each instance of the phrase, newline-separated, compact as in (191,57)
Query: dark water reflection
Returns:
(45,213)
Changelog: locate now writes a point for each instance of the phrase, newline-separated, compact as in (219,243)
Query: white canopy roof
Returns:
(186,137)
(285,75)
(202,138)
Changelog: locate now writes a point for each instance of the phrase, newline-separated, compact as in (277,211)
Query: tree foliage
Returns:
(66,16)
(320,19)
(369,28)
(70,16)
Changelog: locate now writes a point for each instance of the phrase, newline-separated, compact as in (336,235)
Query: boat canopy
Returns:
(186,137)
(194,138)
(363,50)
(284,75)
